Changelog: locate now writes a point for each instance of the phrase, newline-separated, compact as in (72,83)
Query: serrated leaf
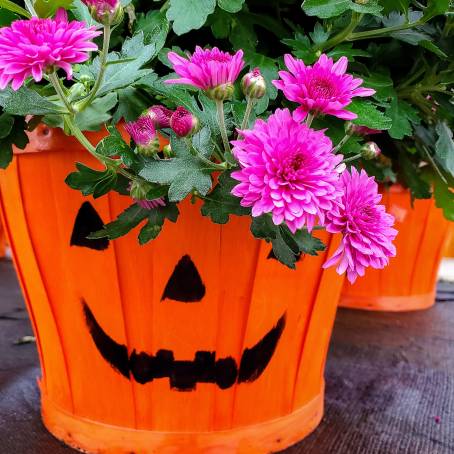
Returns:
(189,15)
(419,188)
(231,6)
(429,45)
(444,198)
(187,181)
(155,27)
(435,8)
(402,115)
(11,6)
(444,147)
(325,8)
(91,181)
(263,227)
(319,35)
(369,115)
(156,220)
(26,102)
(202,142)
(124,223)
(97,113)
(113,144)
(309,244)
(219,204)
(6,125)
(131,103)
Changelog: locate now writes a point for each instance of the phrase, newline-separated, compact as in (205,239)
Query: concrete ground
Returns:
(390,382)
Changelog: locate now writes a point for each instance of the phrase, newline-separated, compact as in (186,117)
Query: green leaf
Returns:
(15,136)
(308,244)
(125,222)
(184,173)
(47,8)
(369,115)
(131,103)
(91,181)
(283,251)
(412,37)
(26,102)
(319,35)
(242,35)
(155,27)
(135,53)
(419,188)
(402,115)
(189,15)
(347,50)
(444,198)
(81,13)
(6,17)
(371,7)
(202,142)
(394,5)
(156,220)
(97,113)
(231,6)
(429,45)
(444,147)
(221,23)
(435,8)
(11,6)
(6,125)
(382,84)
(263,227)
(219,204)
(113,144)
(325,8)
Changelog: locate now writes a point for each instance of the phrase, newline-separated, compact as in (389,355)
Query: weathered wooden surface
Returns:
(390,382)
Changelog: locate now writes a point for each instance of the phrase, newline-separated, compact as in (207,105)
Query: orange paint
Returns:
(449,249)
(409,282)
(2,241)
(91,406)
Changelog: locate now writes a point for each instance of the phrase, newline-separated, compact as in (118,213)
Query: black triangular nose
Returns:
(88,221)
(185,284)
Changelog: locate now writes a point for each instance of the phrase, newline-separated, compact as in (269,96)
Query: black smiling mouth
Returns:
(185,375)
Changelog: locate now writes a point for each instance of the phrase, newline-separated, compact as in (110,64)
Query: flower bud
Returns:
(221,92)
(253,84)
(143,132)
(370,150)
(77,91)
(138,189)
(106,12)
(183,123)
(160,116)
(351,128)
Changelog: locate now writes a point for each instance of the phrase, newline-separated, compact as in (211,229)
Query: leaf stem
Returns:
(56,83)
(351,158)
(342,142)
(31,9)
(247,113)
(377,33)
(343,35)
(432,162)
(221,119)
(309,119)
(102,69)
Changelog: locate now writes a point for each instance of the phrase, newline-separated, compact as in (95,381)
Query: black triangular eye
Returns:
(185,284)
(88,221)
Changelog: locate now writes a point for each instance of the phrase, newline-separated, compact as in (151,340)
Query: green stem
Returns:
(247,113)
(377,33)
(309,119)
(31,9)
(221,119)
(432,162)
(56,83)
(342,35)
(102,69)
(343,141)
(352,158)
(79,135)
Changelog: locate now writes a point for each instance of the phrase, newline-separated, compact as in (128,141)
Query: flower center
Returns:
(322,88)
(290,166)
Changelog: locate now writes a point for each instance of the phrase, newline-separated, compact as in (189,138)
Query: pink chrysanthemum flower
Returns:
(160,116)
(366,227)
(321,88)
(287,169)
(207,69)
(33,47)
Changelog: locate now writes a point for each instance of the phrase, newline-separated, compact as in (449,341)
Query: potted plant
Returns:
(212,332)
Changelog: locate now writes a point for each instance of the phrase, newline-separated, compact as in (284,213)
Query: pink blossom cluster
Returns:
(31,48)
(290,171)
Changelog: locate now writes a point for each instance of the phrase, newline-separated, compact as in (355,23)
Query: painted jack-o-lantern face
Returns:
(185,285)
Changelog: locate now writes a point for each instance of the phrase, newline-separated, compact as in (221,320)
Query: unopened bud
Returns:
(221,92)
(143,132)
(351,128)
(183,122)
(370,150)
(253,84)
(139,189)
(106,12)
(160,116)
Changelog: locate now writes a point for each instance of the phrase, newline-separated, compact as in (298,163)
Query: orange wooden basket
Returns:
(2,241)
(409,282)
(197,342)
